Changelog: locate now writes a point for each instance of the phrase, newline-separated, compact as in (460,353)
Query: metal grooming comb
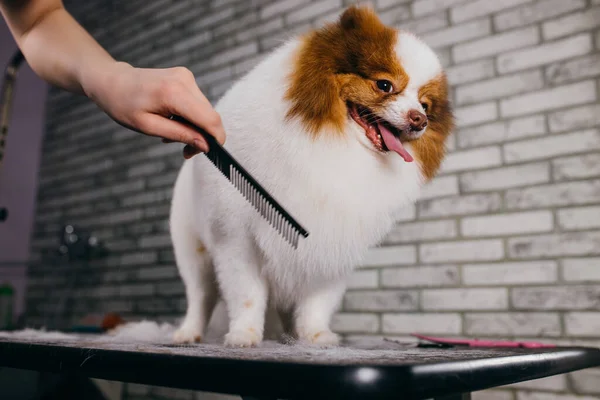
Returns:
(256,195)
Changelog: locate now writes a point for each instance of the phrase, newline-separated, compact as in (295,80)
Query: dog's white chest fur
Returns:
(344,193)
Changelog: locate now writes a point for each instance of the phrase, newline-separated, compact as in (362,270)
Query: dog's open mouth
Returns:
(384,136)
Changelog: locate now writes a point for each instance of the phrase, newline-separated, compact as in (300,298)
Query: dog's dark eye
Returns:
(424,107)
(385,86)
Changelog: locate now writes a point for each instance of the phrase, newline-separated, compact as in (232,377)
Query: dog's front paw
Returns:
(187,334)
(324,338)
(242,338)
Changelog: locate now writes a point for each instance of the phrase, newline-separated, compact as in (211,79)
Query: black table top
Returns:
(373,370)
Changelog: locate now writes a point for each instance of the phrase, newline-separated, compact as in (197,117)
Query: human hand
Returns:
(143,99)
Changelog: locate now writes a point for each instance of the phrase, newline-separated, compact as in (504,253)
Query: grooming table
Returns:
(379,370)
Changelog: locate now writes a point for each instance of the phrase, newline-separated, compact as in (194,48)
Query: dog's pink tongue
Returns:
(393,143)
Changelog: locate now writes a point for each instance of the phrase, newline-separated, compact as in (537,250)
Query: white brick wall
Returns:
(478,8)
(510,273)
(427,323)
(497,44)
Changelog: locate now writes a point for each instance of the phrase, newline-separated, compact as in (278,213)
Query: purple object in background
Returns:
(18,179)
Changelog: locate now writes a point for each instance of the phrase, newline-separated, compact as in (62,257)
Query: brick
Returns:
(390,255)
(573,70)
(363,279)
(344,323)
(557,194)
(276,39)
(146,198)
(427,323)
(468,250)
(420,231)
(381,300)
(496,44)
(261,29)
(548,53)
(582,324)
(149,168)
(426,24)
(565,244)
(424,7)
(406,213)
(195,40)
(171,393)
(579,218)
(162,180)
(549,99)
(502,131)
(471,159)
(555,383)
(505,177)
(552,146)
(507,224)
(138,258)
(314,9)
(586,381)
(460,205)
(444,56)
(157,273)
(492,394)
(469,72)
(382,4)
(464,299)
(137,389)
(155,241)
(572,23)
(245,65)
(476,114)
(478,8)
(440,187)
(219,89)
(458,34)
(332,16)
(136,290)
(574,118)
(421,276)
(216,75)
(513,324)
(394,16)
(234,53)
(281,7)
(581,269)
(556,298)
(171,288)
(499,87)
(534,12)
(510,273)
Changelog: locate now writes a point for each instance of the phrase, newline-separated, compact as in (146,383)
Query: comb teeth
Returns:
(266,206)
(261,204)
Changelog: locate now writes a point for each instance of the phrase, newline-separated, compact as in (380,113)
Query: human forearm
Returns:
(61,52)
(56,47)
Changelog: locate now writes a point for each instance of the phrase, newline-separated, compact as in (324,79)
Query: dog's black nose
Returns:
(417,120)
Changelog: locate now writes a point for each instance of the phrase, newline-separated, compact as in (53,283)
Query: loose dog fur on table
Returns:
(343,126)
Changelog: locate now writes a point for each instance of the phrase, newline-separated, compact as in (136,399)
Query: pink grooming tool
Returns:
(482,343)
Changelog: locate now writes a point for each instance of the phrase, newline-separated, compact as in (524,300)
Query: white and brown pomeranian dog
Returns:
(343,126)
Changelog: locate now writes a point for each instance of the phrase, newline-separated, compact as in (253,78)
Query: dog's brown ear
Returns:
(359,17)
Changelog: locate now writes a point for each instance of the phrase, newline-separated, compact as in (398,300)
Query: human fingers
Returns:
(184,98)
(173,131)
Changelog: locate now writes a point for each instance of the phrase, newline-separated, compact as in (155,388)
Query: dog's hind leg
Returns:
(194,265)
